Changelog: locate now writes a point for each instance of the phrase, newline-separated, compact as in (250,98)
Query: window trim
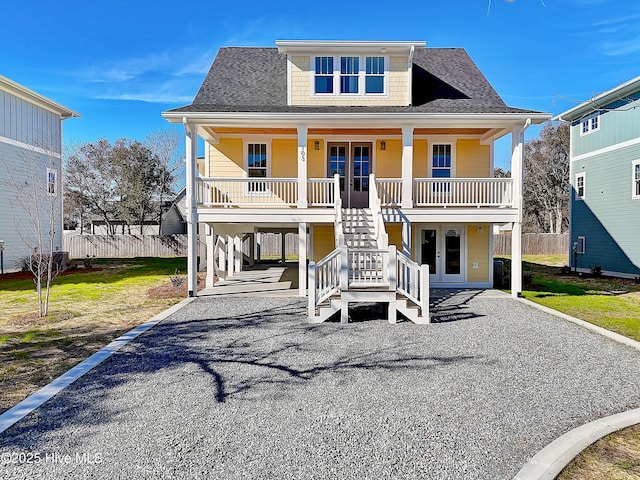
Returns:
(52,187)
(576,194)
(635,181)
(362,76)
(588,122)
(430,158)
(256,141)
(581,241)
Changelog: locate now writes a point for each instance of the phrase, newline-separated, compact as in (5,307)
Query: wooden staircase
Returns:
(364,269)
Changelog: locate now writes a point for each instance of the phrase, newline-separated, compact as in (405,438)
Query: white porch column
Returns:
(302,259)
(238,252)
(517,167)
(222,255)
(302,166)
(407,167)
(192,213)
(211,257)
(231,247)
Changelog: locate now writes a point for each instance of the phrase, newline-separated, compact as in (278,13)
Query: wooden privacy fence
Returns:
(533,244)
(271,244)
(110,246)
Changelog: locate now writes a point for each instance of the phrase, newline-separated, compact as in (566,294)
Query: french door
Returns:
(442,248)
(352,161)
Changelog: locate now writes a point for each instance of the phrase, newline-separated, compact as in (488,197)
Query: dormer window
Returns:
(345,75)
(324,75)
(374,80)
(349,74)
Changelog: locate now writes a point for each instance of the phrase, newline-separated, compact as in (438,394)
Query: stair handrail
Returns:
(324,278)
(338,223)
(381,236)
(413,281)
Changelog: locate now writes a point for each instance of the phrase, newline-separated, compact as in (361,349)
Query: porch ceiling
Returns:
(217,131)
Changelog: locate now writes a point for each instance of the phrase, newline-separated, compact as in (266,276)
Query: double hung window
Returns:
(52,188)
(441,161)
(324,75)
(635,179)
(257,165)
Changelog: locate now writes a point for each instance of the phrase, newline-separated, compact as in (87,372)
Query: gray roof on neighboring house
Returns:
(248,79)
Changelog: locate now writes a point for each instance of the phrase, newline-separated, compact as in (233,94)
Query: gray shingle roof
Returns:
(244,79)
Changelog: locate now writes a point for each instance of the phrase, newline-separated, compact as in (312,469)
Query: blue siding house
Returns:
(30,172)
(605,179)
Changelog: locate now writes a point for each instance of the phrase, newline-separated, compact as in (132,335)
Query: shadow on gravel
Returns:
(452,305)
(252,357)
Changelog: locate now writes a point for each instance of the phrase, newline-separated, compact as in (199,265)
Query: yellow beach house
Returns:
(379,154)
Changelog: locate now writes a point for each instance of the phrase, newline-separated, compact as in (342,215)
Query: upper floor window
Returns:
(441,161)
(635,178)
(349,72)
(580,186)
(52,189)
(350,75)
(590,124)
(324,75)
(374,79)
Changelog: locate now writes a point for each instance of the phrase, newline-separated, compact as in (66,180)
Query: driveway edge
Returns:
(29,404)
(551,460)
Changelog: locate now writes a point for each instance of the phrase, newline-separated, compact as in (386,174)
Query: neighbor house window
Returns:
(374,79)
(52,189)
(349,72)
(441,161)
(257,165)
(635,187)
(590,125)
(580,186)
(324,75)
(580,245)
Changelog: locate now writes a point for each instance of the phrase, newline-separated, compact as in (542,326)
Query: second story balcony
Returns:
(427,193)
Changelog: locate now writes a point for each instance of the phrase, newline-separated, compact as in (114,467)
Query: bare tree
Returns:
(546,178)
(37,211)
(166,146)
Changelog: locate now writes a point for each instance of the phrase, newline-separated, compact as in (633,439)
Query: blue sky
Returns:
(121,63)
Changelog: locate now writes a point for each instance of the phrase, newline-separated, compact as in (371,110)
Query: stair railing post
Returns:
(344,268)
(392,268)
(424,290)
(312,289)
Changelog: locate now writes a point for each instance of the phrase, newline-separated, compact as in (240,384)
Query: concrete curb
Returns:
(550,461)
(29,404)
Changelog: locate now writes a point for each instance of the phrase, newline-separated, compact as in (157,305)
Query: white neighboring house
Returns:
(30,166)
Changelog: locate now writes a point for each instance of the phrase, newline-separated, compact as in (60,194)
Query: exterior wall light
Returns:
(316,145)
(383,145)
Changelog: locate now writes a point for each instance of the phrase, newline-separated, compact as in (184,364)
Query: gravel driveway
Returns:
(239,388)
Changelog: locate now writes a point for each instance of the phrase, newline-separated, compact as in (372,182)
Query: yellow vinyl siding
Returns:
(478,252)
(420,159)
(472,159)
(284,158)
(394,231)
(389,161)
(315,160)
(323,241)
(226,158)
(302,87)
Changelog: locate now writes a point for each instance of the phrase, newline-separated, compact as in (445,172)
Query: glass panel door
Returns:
(453,255)
(338,164)
(360,163)
(429,253)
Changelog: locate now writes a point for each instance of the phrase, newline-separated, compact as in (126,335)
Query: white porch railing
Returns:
(262,192)
(413,281)
(463,192)
(321,192)
(367,267)
(389,191)
(324,279)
